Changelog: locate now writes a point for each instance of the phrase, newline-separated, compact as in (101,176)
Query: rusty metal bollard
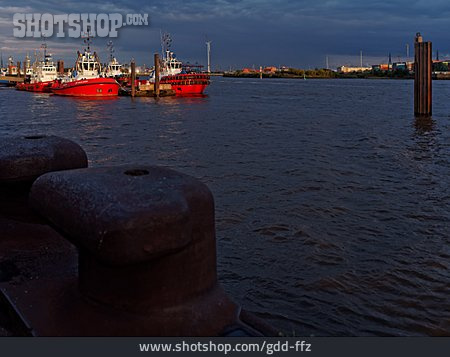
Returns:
(29,248)
(23,159)
(147,255)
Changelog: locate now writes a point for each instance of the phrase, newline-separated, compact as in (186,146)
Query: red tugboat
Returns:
(86,79)
(183,79)
(42,76)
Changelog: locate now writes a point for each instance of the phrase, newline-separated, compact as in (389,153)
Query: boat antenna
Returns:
(166,42)
(162,43)
(110,46)
(44,46)
(1,56)
(87,39)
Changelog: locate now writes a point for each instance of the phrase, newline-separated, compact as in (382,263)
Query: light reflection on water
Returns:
(332,201)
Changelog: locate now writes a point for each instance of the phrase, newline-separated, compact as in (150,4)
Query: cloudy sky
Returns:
(297,33)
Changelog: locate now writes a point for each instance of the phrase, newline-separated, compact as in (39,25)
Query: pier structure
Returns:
(422,77)
(12,79)
(139,89)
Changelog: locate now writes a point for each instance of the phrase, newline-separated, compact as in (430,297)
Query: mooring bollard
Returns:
(30,250)
(422,77)
(146,251)
(25,158)
(147,254)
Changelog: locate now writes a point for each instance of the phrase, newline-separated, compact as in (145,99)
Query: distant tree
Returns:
(440,67)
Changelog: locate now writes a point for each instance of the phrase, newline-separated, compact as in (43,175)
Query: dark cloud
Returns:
(254,32)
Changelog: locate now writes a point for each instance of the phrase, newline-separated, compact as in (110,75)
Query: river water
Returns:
(332,201)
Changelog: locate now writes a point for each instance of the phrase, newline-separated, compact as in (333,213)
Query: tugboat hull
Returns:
(187,84)
(96,87)
(39,87)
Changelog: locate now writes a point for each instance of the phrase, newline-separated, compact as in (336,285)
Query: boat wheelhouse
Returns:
(12,68)
(28,67)
(87,65)
(114,68)
(41,75)
(87,79)
(183,79)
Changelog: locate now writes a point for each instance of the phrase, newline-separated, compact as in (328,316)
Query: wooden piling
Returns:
(133,79)
(60,66)
(157,73)
(18,68)
(422,78)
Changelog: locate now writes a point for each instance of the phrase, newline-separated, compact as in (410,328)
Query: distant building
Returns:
(384,67)
(270,69)
(345,69)
(399,66)
(381,67)
(441,66)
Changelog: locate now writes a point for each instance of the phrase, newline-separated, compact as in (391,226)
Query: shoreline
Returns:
(331,77)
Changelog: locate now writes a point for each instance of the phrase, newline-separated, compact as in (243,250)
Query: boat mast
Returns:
(88,41)
(110,46)
(162,42)
(44,47)
(166,41)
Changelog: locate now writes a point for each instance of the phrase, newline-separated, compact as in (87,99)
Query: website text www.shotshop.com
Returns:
(265,347)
